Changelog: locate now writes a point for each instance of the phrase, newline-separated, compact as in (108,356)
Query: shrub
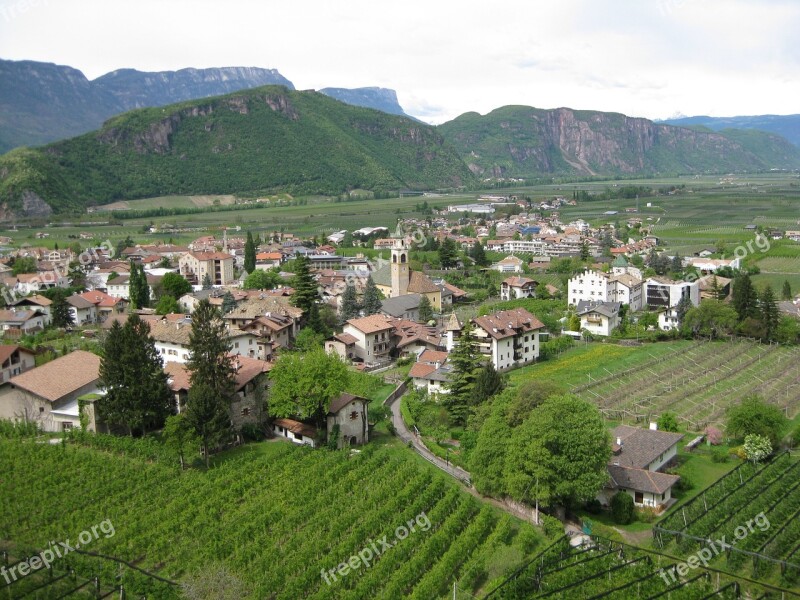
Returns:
(593,507)
(713,435)
(252,432)
(646,514)
(553,528)
(622,508)
(719,455)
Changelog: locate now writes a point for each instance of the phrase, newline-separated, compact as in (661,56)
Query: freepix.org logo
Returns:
(373,550)
(715,548)
(55,551)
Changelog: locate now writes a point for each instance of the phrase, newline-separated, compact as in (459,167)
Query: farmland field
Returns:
(755,509)
(699,382)
(606,569)
(277,516)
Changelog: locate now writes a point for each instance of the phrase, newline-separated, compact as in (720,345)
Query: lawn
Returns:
(591,361)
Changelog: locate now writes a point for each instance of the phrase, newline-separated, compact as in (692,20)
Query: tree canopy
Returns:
(754,416)
(137,397)
(559,454)
(304,384)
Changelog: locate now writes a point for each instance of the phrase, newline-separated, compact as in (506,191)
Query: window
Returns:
(353,415)
(297,436)
(66,426)
(245,412)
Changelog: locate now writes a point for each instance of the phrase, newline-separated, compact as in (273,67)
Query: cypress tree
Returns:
(137,395)
(465,359)
(212,377)
(769,313)
(786,291)
(249,253)
(305,288)
(425,309)
(745,298)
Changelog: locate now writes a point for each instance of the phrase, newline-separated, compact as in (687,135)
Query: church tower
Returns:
(400,272)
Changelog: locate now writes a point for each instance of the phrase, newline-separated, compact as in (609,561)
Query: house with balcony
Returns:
(599,318)
(374,338)
(15,360)
(509,338)
(663,295)
(218,266)
(596,286)
(15,323)
(516,287)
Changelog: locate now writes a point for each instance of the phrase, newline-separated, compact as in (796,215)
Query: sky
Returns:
(646,58)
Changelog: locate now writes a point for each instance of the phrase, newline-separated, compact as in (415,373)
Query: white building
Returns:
(661,292)
(510,264)
(638,455)
(373,335)
(596,286)
(516,287)
(509,338)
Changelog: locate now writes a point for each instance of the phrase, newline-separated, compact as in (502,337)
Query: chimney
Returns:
(653,426)
(619,441)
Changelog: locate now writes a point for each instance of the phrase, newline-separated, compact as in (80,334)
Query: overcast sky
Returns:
(649,58)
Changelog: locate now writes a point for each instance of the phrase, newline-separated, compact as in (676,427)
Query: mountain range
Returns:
(257,140)
(787,126)
(520,141)
(44,102)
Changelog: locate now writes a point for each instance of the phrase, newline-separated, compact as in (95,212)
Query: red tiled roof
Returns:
(507,323)
(421,370)
(371,324)
(61,376)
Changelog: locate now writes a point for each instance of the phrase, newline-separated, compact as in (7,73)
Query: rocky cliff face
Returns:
(43,102)
(138,89)
(382,99)
(519,141)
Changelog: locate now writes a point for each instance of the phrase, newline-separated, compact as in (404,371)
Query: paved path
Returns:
(407,436)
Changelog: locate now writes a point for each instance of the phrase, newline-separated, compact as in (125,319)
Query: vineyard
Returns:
(731,510)
(271,522)
(699,382)
(614,571)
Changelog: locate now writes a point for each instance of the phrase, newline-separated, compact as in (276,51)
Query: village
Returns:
(377,311)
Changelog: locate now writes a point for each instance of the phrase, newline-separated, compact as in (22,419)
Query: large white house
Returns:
(663,294)
(373,335)
(194,266)
(596,286)
(509,338)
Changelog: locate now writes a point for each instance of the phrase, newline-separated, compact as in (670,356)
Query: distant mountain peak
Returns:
(383,99)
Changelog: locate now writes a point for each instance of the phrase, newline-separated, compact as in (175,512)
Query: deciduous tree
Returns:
(754,416)
(304,384)
(559,454)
